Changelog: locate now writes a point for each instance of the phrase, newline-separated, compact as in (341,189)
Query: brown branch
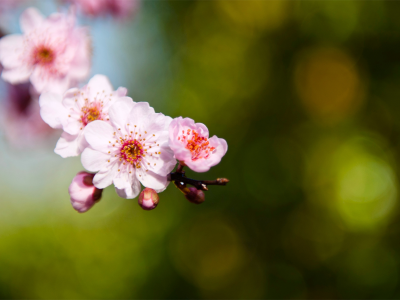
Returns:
(179,177)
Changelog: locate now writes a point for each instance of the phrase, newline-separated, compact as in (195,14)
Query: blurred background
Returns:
(307,95)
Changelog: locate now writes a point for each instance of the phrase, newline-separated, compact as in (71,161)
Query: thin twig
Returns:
(199,184)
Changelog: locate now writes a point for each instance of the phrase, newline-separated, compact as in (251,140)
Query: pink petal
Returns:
(10,50)
(99,83)
(120,111)
(43,82)
(98,134)
(16,75)
(130,192)
(68,145)
(30,19)
(80,65)
(93,160)
(121,92)
(152,180)
(104,178)
(51,109)
(140,113)
(72,126)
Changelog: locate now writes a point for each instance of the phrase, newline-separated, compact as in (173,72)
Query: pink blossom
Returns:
(9,4)
(83,193)
(20,119)
(116,8)
(192,147)
(76,109)
(131,149)
(51,53)
(148,199)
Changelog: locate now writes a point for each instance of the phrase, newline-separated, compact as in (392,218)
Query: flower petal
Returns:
(30,19)
(16,75)
(120,111)
(130,192)
(121,92)
(93,160)
(105,177)
(10,50)
(98,84)
(51,109)
(152,180)
(98,134)
(140,113)
(68,145)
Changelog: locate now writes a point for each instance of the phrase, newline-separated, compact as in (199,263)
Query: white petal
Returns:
(131,192)
(72,126)
(10,50)
(121,92)
(120,110)
(80,66)
(158,122)
(30,19)
(152,180)
(69,98)
(43,81)
(98,84)
(104,178)
(16,75)
(163,163)
(93,160)
(140,113)
(98,134)
(51,109)
(68,145)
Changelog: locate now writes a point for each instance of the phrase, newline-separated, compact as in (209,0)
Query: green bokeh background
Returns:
(307,95)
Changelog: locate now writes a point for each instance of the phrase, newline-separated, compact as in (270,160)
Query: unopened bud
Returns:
(83,193)
(195,196)
(148,199)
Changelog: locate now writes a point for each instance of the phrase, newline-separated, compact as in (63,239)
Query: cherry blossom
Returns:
(51,53)
(76,109)
(5,5)
(148,199)
(117,8)
(131,149)
(192,147)
(83,193)
(20,120)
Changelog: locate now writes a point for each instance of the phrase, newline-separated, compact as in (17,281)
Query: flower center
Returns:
(90,113)
(132,151)
(198,145)
(43,55)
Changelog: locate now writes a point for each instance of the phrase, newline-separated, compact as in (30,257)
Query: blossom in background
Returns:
(51,53)
(20,120)
(5,5)
(148,199)
(76,109)
(192,147)
(116,8)
(83,193)
(131,149)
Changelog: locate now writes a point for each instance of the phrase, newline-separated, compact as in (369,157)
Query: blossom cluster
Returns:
(121,142)
(126,143)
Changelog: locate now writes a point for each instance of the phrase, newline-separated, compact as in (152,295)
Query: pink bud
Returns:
(195,196)
(83,193)
(148,199)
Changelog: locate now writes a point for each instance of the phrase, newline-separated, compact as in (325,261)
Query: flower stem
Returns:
(179,177)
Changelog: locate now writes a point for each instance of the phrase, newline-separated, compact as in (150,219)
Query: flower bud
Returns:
(148,199)
(195,196)
(83,193)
